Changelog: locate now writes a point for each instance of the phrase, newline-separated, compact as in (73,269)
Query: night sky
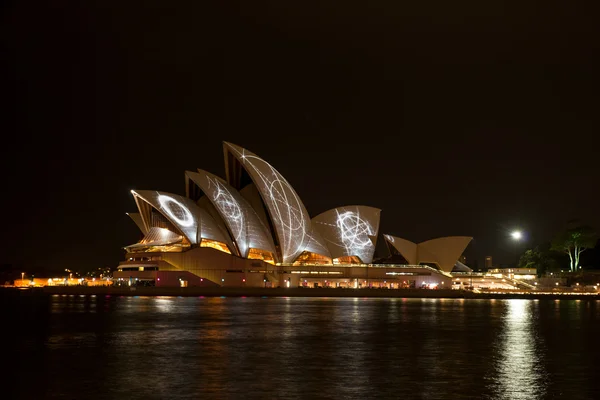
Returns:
(455,118)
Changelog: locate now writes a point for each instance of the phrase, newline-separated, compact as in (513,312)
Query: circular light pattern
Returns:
(292,223)
(289,213)
(229,207)
(227,203)
(177,211)
(354,232)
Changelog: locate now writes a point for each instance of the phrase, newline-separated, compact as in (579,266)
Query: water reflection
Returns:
(521,374)
(156,348)
(164,304)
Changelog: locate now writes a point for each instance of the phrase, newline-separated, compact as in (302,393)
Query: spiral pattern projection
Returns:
(230,210)
(191,220)
(180,211)
(179,214)
(242,222)
(354,234)
(349,231)
(288,214)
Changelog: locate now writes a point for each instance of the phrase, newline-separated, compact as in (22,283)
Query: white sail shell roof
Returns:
(158,237)
(349,231)
(405,247)
(137,218)
(241,220)
(289,216)
(444,251)
(317,244)
(193,222)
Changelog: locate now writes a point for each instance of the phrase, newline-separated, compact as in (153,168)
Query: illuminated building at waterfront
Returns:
(252,229)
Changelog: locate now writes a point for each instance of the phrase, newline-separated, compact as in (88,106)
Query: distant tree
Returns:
(530,259)
(573,241)
(540,258)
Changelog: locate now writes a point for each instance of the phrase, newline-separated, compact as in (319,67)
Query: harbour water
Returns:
(97,347)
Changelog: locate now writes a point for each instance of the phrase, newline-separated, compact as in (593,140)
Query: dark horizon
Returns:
(472,119)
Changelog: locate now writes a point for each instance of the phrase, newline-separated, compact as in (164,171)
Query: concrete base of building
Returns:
(201,267)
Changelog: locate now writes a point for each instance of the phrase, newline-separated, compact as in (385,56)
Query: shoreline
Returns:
(289,292)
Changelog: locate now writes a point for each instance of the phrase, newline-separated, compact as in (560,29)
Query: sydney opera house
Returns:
(251,229)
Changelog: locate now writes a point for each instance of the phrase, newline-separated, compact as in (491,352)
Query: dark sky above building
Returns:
(455,118)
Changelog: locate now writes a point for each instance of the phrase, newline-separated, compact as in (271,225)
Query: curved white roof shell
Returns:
(349,231)
(241,220)
(158,237)
(444,251)
(290,219)
(405,247)
(460,267)
(317,244)
(193,222)
(137,218)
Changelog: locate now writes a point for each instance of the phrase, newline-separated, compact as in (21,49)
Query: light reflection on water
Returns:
(521,373)
(174,347)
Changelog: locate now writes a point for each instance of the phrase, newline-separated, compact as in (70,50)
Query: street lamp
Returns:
(517,235)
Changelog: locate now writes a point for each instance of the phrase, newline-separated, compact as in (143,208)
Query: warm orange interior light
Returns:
(215,245)
(258,254)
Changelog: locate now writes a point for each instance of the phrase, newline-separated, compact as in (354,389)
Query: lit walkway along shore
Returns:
(297,292)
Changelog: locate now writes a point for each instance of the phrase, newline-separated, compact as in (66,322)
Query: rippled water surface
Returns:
(75,347)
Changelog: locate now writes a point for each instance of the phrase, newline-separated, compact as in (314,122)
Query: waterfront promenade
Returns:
(297,292)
